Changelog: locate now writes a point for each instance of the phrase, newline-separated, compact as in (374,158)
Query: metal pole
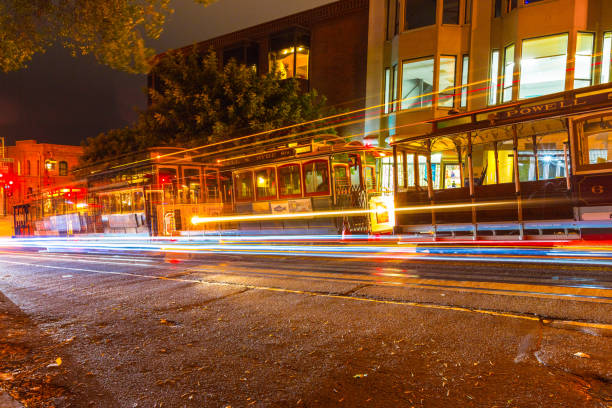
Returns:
(517,183)
(430,191)
(471,184)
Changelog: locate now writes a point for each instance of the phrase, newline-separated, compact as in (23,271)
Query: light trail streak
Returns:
(481,252)
(339,213)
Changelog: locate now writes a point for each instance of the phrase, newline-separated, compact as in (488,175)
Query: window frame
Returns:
(244,200)
(493,95)
(280,195)
(316,193)
(504,65)
(577,145)
(405,22)
(608,62)
(433,78)
(459,4)
(520,70)
(438,92)
(591,80)
(465,80)
(267,198)
(63,172)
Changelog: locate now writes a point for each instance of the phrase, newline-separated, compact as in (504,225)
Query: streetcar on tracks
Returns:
(540,167)
(160,191)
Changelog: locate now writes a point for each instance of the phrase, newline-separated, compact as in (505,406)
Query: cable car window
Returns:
(316,177)
(244,186)
(265,182)
(212,188)
(340,176)
(596,141)
(191,186)
(551,156)
(370,178)
(289,181)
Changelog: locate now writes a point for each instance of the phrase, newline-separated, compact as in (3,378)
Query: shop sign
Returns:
(262,157)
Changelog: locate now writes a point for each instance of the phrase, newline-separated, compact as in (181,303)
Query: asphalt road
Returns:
(150,330)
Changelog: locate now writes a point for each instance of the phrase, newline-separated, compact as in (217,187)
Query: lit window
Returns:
(508,73)
(289,54)
(289,181)
(543,66)
(316,178)
(450,12)
(265,183)
(387,91)
(446,82)
(583,72)
(50,165)
(494,72)
(606,56)
(417,83)
(419,13)
(465,67)
(244,186)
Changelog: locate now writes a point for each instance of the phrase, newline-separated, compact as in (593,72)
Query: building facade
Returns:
(35,168)
(431,58)
(324,48)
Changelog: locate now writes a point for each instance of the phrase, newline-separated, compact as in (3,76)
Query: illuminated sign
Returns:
(382,216)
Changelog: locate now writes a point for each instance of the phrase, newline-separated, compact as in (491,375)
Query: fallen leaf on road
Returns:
(360,375)
(582,355)
(58,361)
(6,376)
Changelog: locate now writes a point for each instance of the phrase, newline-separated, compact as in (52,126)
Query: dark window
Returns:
(511,5)
(28,168)
(63,168)
(420,13)
(450,12)
(531,1)
(397,17)
(468,12)
(245,54)
(388,27)
(498,8)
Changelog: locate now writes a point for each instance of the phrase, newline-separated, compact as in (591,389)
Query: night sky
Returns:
(60,99)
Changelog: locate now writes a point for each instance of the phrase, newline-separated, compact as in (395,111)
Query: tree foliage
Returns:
(112,30)
(197,103)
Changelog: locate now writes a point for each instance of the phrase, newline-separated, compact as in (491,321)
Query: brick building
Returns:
(324,48)
(36,167)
